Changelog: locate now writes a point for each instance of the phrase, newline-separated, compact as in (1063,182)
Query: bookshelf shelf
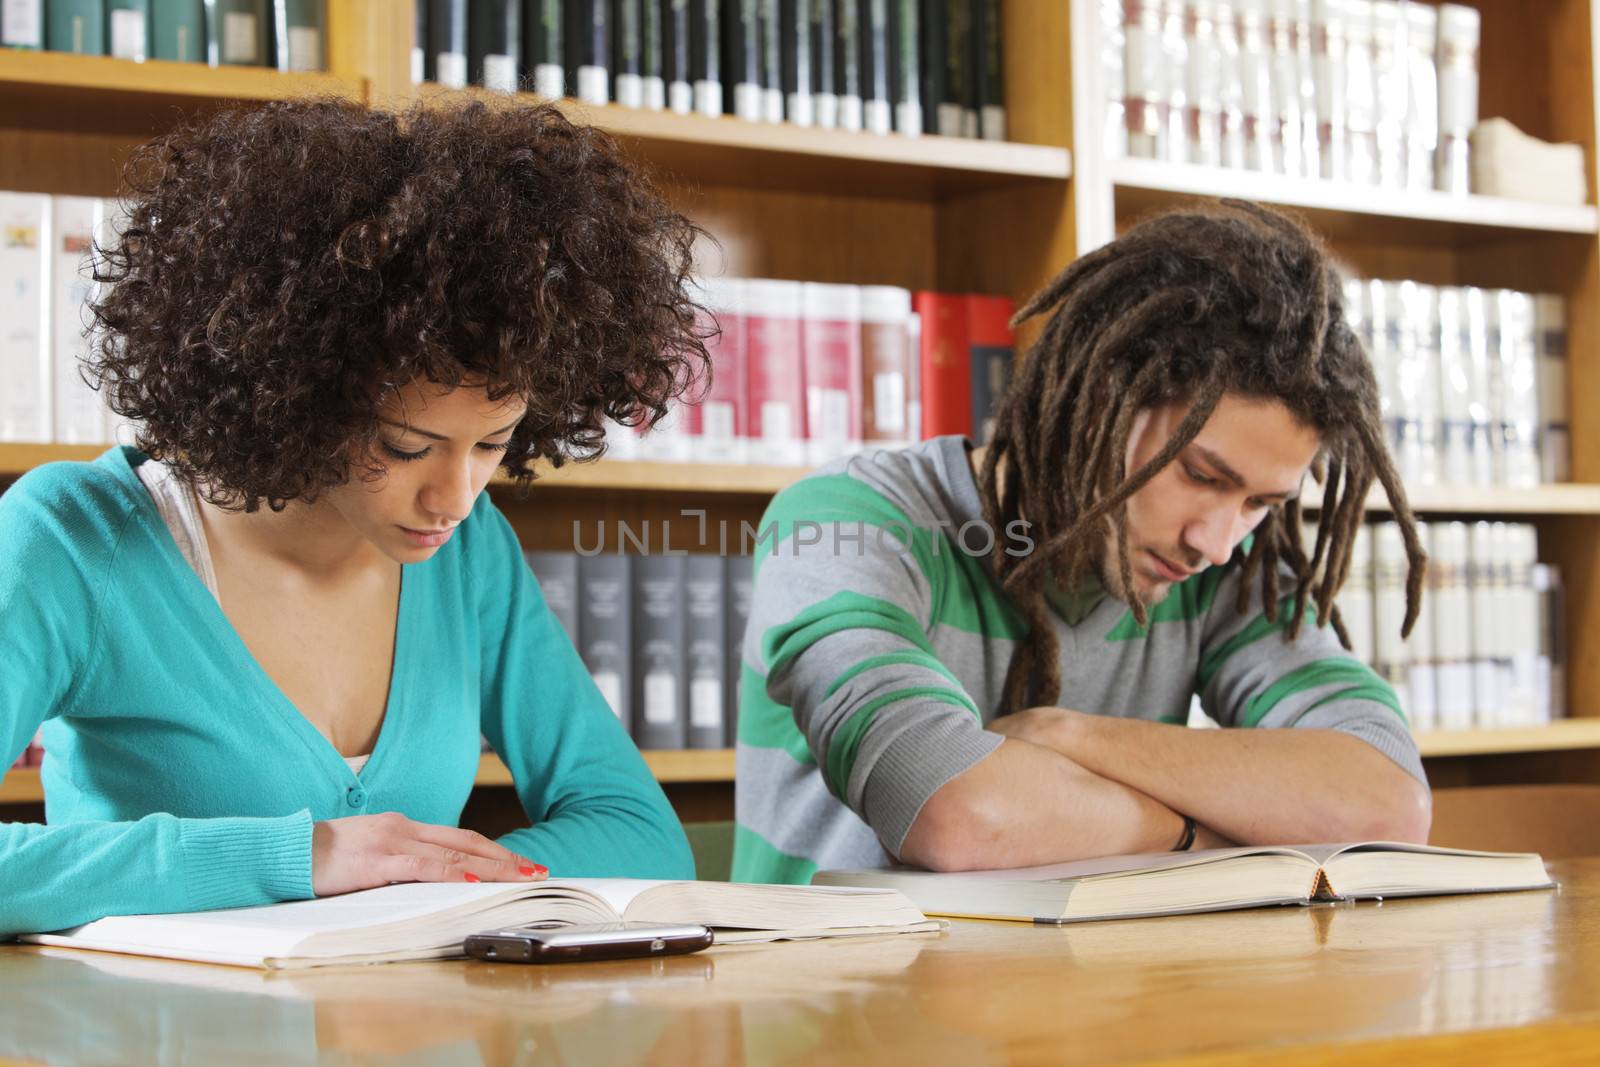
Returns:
(731,151)
(1554,737)
(1345,209)
(21,786)
(99,92)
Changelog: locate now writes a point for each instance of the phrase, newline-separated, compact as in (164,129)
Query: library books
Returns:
(1127,887)
(429,920)
(286,34)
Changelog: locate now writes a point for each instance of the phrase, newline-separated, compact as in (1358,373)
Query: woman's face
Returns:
(439,448)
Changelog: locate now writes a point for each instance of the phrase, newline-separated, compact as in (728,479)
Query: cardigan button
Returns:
(356,796)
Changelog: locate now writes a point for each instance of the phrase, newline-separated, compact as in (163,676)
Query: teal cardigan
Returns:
(178,777)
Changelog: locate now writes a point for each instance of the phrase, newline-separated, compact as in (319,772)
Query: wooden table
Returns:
(1507,978)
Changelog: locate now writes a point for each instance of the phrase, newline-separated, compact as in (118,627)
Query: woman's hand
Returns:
(366,851)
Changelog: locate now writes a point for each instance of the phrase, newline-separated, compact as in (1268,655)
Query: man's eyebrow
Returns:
(1235,477)
(440,436)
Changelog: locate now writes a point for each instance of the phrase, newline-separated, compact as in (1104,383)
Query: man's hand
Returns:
(1040,726)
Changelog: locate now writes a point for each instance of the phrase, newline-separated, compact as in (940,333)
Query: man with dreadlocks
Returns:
(966,659)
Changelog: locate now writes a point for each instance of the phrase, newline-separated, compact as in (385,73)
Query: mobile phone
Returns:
(563,943)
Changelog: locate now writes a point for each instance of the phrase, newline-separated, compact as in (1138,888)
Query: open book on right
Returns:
(1172,883)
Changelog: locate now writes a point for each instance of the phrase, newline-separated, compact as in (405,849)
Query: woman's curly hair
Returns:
(282,268)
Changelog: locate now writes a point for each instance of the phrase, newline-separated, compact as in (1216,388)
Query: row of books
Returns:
(1473,381)
(286,34)
(804,372)
(1489,648)
(659,633)
(885,66)
(1381,92)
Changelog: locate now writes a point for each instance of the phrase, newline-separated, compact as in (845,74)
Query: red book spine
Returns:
(946,364)
(718,423)
(775,384)
(990,345)
(831,336)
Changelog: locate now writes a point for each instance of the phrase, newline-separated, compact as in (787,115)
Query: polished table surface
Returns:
(1502,978)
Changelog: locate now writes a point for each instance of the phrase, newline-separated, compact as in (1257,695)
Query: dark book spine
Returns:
(771,15)
(878,115)
(605,629)
(652,58)
(494,43)
(932,67)
(557,575)
(77,26)
(298,35)
(543,46)
(905,68)
(589,49)
(847,61)
(676,69)
(989,75)
(658,643)
(705,55)
(819,49)
(178,31)
(740,591)
(795,54)
(741,57)
(706,671)
(238,33)
(447,43)
(958,115)
(419,39)
(627,42)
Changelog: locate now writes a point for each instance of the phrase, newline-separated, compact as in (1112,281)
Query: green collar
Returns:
(1076,605)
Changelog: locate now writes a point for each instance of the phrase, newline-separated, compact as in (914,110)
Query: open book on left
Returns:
(429,920)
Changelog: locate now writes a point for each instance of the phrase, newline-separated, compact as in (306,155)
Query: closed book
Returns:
(775,378)
(128,29)
(557,575)
(178,30)
(299,34)
(885,365)
(771,60)
(238,32)
(589,49)
(25,325)
(739,587)
(958,115)
(605,627)
(1555,432)
(79,414)
(675,48)
(543,43)
(945,363)
(659,719)
(22,24)
(989,81)
(990,344)
(447,42)
(77,26)
(1328,21)
(652,57)
(494,44)
(931,32)
(627,48)
(820,54)
(847,83)
(831,343)
(1457,63)
(1175,883)
(706,666)
(795,57)
(705,56)
(741,57)
(419,41)
(717,422)
(877,110)
(905,66)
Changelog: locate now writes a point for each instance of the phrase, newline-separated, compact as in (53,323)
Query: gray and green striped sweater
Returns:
(877,649)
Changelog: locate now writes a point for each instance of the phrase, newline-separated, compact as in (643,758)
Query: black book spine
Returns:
(819,48)
(494,39)
(905,75)
(589,49)
(795,45)
(932,69)
(705,55)
(878,114)
(988,80)
(741,34)
(605,629)
(652,59)
(676,70)
(659,721)
(740,591)
(419,42)
(543,33)
(447,43)
(627,42)
(847,61)
(958,99)
(706,671)
(557,575)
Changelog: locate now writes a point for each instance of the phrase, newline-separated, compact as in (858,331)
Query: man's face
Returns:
(440,448)
(1250,455)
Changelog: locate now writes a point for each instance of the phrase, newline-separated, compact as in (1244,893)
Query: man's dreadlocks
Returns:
(1187,306)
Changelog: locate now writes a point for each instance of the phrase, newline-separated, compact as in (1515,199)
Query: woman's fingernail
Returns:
(529,870)
(469,876)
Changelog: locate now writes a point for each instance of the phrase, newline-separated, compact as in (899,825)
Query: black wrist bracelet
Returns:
(1186,839)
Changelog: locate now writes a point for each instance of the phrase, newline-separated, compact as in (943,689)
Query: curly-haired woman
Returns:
(354,318)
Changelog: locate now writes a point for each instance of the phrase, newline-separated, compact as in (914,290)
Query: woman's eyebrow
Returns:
(439,436)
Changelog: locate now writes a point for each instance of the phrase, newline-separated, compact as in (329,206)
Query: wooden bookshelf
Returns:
(21,786)
(1558,736)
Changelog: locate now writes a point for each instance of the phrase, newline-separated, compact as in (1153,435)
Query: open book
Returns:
(1172,883)
(429,920)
